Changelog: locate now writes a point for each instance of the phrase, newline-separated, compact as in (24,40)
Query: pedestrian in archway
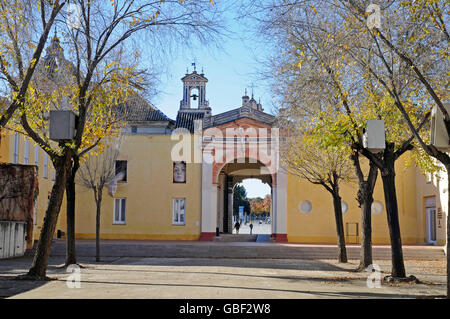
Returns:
(237,226)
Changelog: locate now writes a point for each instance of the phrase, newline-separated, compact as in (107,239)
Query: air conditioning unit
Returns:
(439,136)
(62,125)
(374,138)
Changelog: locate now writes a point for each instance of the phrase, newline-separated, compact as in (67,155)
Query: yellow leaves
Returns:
(33,62)
(345,94)
(113,63)
(300,64)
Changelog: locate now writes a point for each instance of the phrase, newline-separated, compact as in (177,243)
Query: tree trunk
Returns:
(71,257)
(365,198)
(97,223)
(342,252)
(390,198)
(40,261)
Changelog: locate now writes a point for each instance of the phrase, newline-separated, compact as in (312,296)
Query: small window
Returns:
(121,166)
(45,165)
(179,211)
(36,155)
(429,178)
(134,129)
(26,153)
(120,211)
(16,149)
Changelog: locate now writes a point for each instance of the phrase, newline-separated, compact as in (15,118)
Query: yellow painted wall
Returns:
(4,147)
(149,191)
(425,189)
(318,226)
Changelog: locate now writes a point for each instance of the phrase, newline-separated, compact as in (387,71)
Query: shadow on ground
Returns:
(313,294)
(10,287)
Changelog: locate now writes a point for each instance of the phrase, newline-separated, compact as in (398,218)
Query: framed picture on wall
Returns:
(179,172)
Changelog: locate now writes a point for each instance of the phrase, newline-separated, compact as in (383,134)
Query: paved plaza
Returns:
(235,276)
(258,229)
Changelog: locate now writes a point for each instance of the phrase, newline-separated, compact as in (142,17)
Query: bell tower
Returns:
(194,86)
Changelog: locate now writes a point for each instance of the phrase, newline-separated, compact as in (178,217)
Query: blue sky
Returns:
(229,73)
(255,188)
(230,70)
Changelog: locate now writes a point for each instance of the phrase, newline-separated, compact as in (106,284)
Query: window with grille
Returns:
(179,211)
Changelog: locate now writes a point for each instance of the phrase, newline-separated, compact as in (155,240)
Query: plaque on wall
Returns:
(179,172)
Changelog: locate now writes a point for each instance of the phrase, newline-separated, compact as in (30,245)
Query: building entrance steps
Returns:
(237,250)
(236,238)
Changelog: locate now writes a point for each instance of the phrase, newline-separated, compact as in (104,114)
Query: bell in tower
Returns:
(194,86)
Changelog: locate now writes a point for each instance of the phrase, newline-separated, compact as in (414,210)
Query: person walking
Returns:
(237,226)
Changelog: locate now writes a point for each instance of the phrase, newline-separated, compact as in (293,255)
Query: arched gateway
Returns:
(238,144)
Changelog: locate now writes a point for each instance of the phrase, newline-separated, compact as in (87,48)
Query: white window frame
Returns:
(45,165)
(36,155)
(26,153)
(121,213)
(16,149)
(177,212)
(431,219)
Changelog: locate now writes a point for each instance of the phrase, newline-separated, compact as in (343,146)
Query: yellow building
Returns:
(180,176)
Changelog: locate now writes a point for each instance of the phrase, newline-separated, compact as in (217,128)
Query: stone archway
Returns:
(231,174)
(210,192)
